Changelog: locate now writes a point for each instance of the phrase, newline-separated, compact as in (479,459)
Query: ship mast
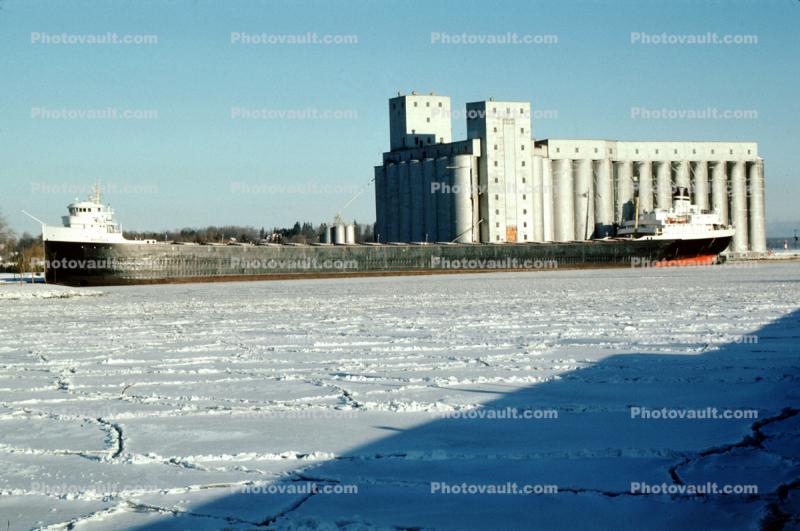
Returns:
(96,193)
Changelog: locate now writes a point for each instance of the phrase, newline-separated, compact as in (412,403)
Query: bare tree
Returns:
(5,231)
(7,242)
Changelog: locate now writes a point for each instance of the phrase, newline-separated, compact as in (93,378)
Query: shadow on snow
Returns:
(593,452)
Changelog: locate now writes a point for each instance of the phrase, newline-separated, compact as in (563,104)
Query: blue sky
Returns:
(181,168)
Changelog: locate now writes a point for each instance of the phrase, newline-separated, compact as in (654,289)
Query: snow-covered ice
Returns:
(370,403)
(21,290)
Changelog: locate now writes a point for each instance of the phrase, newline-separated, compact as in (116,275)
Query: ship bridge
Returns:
(88,221)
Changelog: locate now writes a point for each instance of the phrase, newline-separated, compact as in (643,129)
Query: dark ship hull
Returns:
(99,264)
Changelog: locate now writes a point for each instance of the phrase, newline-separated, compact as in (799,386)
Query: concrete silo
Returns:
(700,184)
(682,179)
(350,234)
(392,203)
(603,200)
(417,202)
(563,200)
(381,215)
(739,206)
(537,194)
(584,199)
(405,202)
(548,221)
(339,234)
(758,240)
(644,171)
(462,198)
(429,198)
(663,185)
(719,190)
(624,191)
(444,199)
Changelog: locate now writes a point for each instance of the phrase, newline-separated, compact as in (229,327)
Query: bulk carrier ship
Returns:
(498,201)
(90,250)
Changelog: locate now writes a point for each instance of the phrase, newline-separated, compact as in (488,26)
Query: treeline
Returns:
(25,252)
(19,253)
(305,232)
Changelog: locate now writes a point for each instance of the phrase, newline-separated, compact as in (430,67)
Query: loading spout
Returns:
(34,218)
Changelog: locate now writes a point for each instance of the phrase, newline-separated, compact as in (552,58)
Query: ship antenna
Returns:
(96,193)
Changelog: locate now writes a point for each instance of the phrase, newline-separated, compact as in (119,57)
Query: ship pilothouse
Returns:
(684,221)
(88,221)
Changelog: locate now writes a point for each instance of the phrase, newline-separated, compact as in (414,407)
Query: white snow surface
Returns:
(218,406)
(21,290)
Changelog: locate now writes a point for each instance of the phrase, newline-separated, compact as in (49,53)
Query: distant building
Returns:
(502,186)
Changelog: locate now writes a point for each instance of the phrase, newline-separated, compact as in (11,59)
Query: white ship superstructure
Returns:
(684,221)
(88,221)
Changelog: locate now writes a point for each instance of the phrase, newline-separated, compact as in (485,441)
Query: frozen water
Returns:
(220,405)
